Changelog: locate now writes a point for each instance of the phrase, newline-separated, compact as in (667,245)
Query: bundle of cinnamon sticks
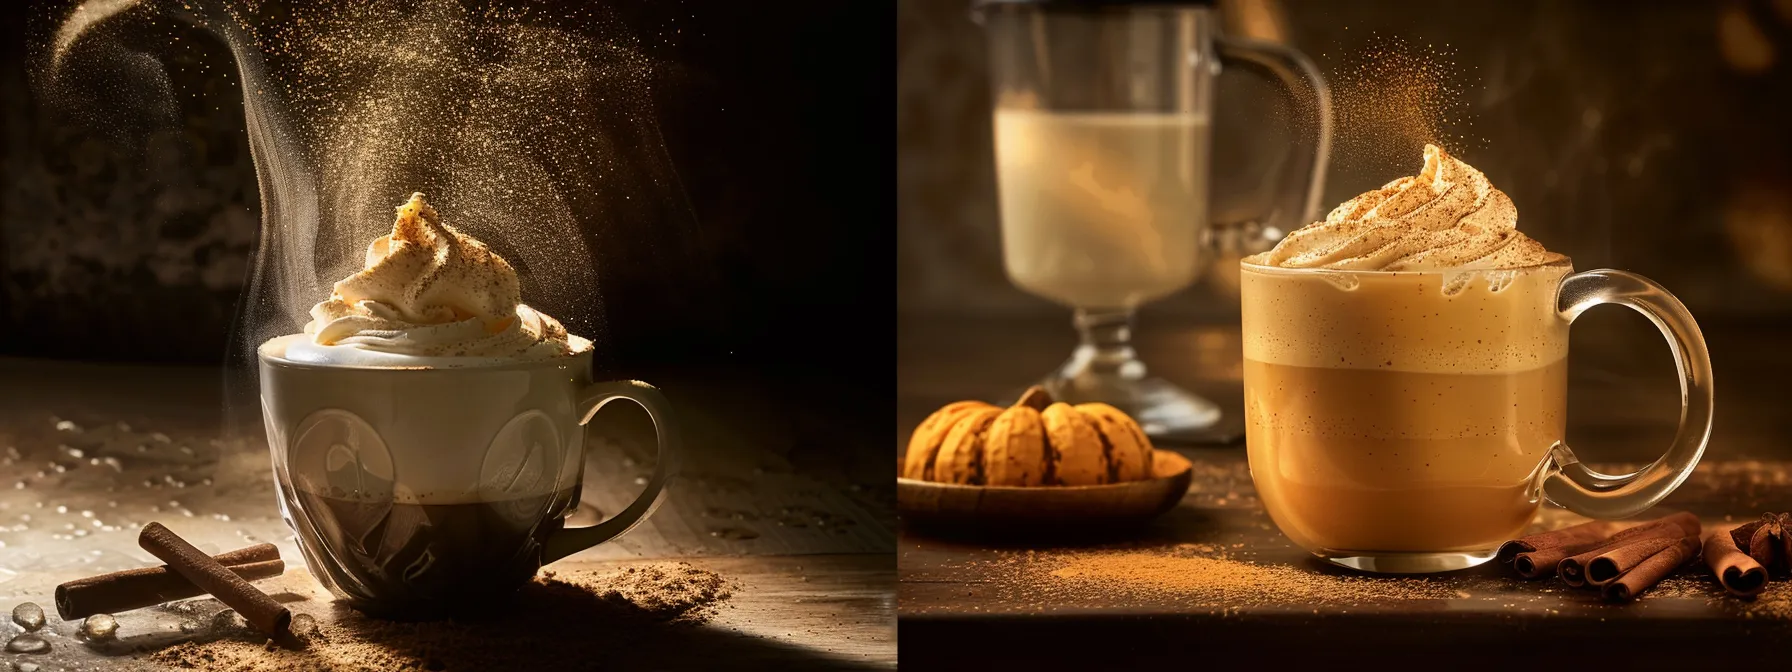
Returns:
(1620,563)
(1623,562)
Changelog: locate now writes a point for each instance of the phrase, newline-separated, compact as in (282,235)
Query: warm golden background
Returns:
(1650,136)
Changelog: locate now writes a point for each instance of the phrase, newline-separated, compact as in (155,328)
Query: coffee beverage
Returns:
(1396,416)
(420,492)
(1405,377)
(427,428)
(437,557)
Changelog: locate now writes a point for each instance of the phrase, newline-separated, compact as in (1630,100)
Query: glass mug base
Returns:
(1392,562)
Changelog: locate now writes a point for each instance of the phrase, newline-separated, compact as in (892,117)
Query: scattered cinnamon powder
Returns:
(1690,583)
(1209,576)
(563,622)
(1775,603)
(1197,576)
(1220,579)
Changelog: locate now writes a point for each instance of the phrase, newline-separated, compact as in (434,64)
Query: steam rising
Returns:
(83,18)
(528,134)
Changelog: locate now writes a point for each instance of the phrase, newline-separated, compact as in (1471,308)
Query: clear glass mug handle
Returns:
(574,539)
(1570,483)
(1301,184)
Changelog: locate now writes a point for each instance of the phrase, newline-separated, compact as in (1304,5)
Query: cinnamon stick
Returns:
(256,607)
(1608,566)
(1541,563)
(1686,522)
(1683,524)
(1578,535)
(1651,571)
(138,588)
(1739,574)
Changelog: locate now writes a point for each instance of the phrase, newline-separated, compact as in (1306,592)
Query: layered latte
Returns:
(1405,369)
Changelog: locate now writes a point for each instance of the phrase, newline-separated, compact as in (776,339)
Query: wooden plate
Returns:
(1076,506)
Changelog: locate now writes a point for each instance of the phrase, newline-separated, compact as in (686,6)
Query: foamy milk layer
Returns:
(1436,322)
(430,291)
(1447,216)
(302,349)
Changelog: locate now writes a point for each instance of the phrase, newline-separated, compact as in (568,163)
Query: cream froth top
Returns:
(429,291)
(1449,216)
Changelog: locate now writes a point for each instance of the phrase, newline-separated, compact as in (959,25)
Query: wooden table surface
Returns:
(785,490)
(970,602)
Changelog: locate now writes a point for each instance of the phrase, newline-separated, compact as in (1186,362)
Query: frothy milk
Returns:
(1402,412)
(1102,210)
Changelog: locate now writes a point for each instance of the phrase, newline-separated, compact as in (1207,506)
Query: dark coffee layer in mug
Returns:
(407,560)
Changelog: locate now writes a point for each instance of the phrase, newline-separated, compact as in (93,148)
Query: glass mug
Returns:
(1103,116)
(1413,421)
(426,492)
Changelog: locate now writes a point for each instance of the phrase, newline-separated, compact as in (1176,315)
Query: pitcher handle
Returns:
(1590,493)
(574,539)
(1301,185)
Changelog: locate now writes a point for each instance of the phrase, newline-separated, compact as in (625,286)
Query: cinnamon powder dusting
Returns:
(1391,96)
(1205,574)
(1697,583)
(1775,603)
(562,621)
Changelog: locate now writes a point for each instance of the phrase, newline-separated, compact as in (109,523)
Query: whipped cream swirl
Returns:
(1447,217)
(429,290)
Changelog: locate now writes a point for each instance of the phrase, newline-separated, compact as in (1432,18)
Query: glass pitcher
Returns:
(1102,121)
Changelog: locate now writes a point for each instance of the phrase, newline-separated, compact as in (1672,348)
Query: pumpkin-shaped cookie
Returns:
(924,445)
(961,453)
(1035,442)
(1129,452)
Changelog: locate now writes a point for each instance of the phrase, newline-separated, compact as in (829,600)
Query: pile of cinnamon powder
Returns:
(1223,580)
(564,621)
(1197,575)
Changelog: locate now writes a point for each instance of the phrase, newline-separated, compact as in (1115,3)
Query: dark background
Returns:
(774,116)
(1650,136)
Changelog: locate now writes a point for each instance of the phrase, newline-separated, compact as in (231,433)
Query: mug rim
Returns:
(1245,263)
(280,361)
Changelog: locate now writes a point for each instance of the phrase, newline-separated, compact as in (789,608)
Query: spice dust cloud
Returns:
(531,129)
(1392,96)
